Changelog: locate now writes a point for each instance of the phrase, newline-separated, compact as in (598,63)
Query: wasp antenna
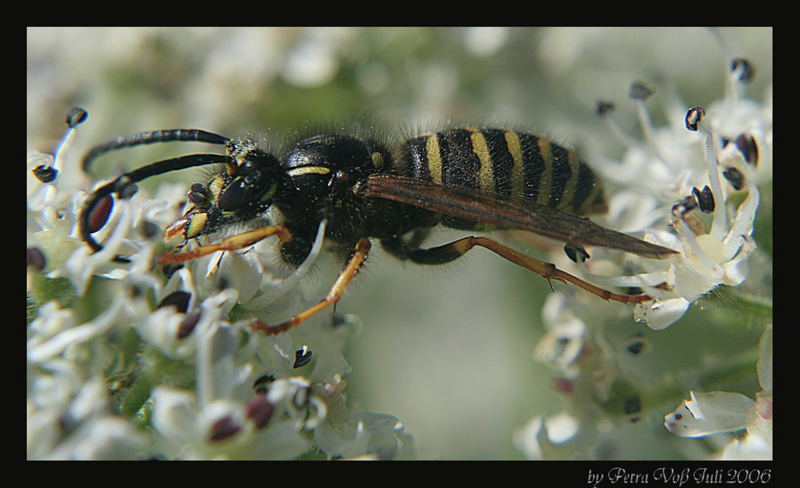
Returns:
(124,187)
(151,137)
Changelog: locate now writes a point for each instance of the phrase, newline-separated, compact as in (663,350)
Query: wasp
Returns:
(464,178)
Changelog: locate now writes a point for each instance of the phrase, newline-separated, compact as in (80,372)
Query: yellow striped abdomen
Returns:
(522,166)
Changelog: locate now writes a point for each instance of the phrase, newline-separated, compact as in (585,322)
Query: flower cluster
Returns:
(718,412)
(123,364)
(699,175)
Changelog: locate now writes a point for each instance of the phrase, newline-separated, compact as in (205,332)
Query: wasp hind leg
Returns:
(449,252)
(349,272)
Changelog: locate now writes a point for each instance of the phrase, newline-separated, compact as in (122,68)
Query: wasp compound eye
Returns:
(239,192)
(254,184)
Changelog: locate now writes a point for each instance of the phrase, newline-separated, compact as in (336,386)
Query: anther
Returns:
(302,357)
(576,252)
(705,199)
(745,68)
(640,91)
(178,299)
(747,145)
(45,173)
(76,116)
(734,177)
(684,206)
(604,108)
(693,117)
(98,214)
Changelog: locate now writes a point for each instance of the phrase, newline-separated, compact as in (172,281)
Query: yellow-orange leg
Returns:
(546,270)
(334,295)
(233,243)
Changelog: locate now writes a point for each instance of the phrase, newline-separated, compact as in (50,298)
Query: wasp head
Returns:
(242,191)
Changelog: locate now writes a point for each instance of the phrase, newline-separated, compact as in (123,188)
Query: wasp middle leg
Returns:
(334,295)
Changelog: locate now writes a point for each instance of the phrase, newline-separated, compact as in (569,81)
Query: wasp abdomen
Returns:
(522,166)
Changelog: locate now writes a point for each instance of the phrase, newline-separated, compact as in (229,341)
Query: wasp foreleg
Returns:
(233,243)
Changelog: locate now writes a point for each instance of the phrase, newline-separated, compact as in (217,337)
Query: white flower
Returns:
(552,437)
(570,346)
(224,429)
(77,422)
(707,260)
(720,412)
(225,418)
(56,334)
(723,162)
(672,164)
(709,413)
(564,341)
(366,435)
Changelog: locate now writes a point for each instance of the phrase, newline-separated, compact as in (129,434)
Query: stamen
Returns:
(742,226)
(640,92)
(718,223)
(47,173)
(629,281)
(605,110)
(75,117)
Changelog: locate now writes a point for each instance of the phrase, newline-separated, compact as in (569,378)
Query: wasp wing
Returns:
(504,213)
